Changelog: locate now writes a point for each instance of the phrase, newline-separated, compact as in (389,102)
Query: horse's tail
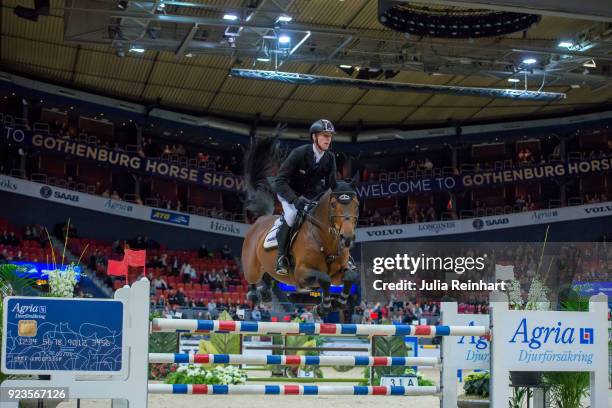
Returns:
(260,162)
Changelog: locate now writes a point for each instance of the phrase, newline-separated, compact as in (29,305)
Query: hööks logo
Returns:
(46,192)
(224,227)
(7,184)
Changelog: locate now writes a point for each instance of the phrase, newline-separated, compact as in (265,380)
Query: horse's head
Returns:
(343,212)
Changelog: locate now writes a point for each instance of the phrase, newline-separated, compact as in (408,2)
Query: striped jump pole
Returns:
(329,329)
(290,389)
(292,360)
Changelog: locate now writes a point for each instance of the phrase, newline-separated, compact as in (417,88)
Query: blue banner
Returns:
(46,335)
(40,271)
(122,159)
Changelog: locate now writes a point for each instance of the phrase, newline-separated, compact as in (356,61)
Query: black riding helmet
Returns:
(321,125)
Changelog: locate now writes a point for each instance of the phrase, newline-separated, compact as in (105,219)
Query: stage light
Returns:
(565,44)
(263,59)
(529,61)
(590,64)
(230,17)
(514,80)
(122,4)
(284,19)
(347,69)
(137,49)
(284,39)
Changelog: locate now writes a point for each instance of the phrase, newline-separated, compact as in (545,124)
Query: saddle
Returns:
(270,240)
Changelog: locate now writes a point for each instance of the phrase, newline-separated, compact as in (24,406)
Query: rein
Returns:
(334,232)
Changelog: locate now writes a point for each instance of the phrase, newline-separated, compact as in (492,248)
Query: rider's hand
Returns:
(301,203)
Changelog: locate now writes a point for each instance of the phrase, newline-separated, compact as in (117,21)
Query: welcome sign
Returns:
(121,159)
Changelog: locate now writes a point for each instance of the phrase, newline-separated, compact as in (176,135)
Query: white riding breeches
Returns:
(289,211)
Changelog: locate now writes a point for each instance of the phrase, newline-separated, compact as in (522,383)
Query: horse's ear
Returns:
(355,180)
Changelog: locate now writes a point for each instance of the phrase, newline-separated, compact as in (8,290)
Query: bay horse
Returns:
(320,250)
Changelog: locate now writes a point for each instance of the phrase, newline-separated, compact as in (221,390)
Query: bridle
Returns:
(344,199)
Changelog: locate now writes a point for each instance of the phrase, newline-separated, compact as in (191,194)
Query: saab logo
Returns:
(7,184)
(540,215)
(477,224)
(600,209)
(437,227)
(385,233)
(169,217)
(66,196)
(541,335)
(223,227)
(586,336)
(46,192)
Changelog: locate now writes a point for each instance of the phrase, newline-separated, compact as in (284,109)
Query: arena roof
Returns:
(187,52)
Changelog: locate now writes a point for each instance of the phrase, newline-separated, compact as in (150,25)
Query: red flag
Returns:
(135,258)
(117,268)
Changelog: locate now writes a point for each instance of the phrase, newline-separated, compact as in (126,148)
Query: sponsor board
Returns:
(479,223)
(7,184)
(48,192)
(119,207)
(169,217)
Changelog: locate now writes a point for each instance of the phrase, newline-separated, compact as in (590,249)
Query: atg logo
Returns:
(169,217)
(45,191)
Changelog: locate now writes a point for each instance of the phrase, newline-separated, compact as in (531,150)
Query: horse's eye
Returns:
(333,205)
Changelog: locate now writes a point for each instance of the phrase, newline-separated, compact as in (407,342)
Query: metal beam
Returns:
(180,51)
(596,10)
(304,79)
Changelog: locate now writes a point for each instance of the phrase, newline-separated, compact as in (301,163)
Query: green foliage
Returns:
(221,343)
(193,374)
(519,396)
(567,388)
(477,384)
(11,285)
(404,371)
(302,341)
(388,346)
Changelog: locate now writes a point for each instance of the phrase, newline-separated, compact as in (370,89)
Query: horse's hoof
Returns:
(253,296)
(322,311)
(338,305)
(265,294)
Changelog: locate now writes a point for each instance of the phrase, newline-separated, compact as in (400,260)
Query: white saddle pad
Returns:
(270,241)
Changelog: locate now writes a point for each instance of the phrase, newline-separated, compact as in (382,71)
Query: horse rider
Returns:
(308,171)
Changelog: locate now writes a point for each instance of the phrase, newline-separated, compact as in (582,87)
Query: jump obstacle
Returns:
(466,350)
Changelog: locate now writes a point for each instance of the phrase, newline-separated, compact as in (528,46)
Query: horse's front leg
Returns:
(350,277)
(312,278)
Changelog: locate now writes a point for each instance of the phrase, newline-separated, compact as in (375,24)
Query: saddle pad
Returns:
(270,241)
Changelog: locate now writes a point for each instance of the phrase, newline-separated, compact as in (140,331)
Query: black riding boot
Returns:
(282,260)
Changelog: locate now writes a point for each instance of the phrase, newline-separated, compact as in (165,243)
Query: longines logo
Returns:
(437,227)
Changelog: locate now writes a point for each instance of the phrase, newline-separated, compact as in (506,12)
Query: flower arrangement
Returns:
(62,282)
(537,298)
(192,374)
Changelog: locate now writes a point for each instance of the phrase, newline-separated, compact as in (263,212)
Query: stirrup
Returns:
(282,265)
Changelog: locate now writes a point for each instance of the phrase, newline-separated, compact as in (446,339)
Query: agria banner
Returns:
(121,159)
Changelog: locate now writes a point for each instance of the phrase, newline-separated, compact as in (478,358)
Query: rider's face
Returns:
(323,140)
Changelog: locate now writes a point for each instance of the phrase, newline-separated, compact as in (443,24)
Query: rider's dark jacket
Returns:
(300,175)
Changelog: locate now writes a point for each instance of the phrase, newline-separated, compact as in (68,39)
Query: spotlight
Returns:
(122,5)
(284,39)
(263,59)
(590,64)
(565,44)
(529,61)
(284,19)
(230,17)
(514,80)
(139,50)
(347,69)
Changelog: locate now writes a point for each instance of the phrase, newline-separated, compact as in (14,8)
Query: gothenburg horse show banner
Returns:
(231,182)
